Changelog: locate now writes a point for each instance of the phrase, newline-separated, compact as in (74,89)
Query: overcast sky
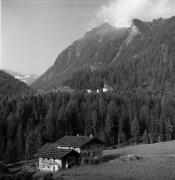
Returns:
(34,32)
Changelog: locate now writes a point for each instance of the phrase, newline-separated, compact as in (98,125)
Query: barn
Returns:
(68,151)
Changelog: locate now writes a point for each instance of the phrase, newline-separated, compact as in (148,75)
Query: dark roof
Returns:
(75,141)
(51,151)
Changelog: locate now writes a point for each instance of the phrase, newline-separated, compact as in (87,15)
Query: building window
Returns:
(53,160)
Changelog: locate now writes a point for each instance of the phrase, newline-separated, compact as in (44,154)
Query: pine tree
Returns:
(20,143)
(72,117)
(94,122)
(32,143)
(102,109)
(120,131)
(112,111)
(145,137)
(169,129)
(50,122)
(10,152)
(61,122)
(88,119)
(135,129)
(162,130)
(108,128)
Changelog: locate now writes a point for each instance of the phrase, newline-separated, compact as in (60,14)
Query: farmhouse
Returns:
(69,151)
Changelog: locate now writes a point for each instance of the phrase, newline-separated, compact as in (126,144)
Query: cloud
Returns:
(121,12)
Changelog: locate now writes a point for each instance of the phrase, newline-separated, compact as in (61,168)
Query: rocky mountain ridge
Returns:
(146,44)
(97,48)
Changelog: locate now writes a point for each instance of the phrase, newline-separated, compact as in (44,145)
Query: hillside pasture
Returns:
(157,163)
(157,149)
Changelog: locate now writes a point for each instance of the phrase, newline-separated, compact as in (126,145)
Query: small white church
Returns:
(106,88)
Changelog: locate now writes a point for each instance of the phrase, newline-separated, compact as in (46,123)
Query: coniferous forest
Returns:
(119,119)
(140,109)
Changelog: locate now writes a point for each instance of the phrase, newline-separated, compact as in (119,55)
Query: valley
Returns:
(26,78)
(138,112)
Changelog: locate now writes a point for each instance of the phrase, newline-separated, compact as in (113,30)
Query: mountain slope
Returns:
(9,86)
(26,78)
(97,48)
(141,56)
(146,61)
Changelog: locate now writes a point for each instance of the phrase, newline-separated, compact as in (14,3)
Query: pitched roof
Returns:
(74,141)
(51,151)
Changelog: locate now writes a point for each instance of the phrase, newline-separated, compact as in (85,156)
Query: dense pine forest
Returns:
(119,119)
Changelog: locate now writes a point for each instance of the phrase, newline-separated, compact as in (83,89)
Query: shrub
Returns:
(3,168)
(24,175)
(43,176)
(96,161)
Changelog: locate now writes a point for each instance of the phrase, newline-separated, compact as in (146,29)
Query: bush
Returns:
(5,177)
(3,168)
(43,176)
(48,176)
(96,161)
(24,175)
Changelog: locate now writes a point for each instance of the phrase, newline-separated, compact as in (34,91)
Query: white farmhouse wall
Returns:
(49,164)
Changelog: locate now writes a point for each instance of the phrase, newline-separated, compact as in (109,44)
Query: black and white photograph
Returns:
(87,90)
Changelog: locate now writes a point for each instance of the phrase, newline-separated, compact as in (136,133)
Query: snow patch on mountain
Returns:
(26,78)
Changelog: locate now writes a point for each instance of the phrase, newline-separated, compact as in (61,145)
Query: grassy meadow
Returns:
(157,163)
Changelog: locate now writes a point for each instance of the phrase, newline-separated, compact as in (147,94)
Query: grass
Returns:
(163,148)
(157,163)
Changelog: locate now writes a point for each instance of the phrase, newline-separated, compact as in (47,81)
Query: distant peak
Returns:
(101,29)
(106,26)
